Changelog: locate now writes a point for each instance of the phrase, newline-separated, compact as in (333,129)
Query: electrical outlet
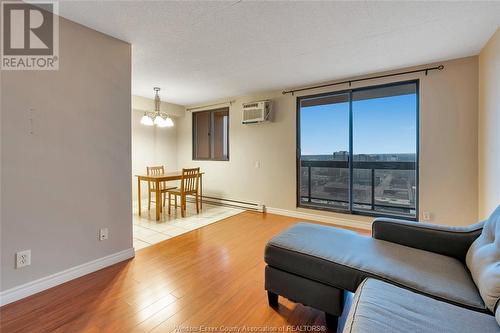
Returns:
(427,216)
(257,164)
(103,234)
(23,258)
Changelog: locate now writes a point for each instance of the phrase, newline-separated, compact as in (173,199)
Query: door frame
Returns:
(349,92)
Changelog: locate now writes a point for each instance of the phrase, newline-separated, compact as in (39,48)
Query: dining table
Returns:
(158,179)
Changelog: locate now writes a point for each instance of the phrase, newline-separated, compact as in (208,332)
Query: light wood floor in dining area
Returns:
(209,277)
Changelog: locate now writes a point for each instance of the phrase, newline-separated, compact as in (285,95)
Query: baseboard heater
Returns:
(231,203)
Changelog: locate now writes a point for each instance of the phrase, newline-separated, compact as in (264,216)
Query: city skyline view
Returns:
(385,125)
(384,137)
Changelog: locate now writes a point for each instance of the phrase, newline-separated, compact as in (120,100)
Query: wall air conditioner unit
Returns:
(256,112)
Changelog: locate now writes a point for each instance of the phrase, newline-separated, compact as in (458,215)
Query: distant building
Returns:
(341,156)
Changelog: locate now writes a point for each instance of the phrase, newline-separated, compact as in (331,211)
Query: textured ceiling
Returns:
(200,51)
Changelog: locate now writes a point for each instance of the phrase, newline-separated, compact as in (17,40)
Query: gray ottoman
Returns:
(288,273)
(308,292)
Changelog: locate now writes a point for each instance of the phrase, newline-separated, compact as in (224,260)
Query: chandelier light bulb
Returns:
(146,120)
(159,121)
(169,122)
(163,123)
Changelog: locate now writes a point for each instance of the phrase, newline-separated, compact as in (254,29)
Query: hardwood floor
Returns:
(210,277)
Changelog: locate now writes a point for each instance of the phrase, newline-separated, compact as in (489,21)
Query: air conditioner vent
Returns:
(251,105)
(256,112)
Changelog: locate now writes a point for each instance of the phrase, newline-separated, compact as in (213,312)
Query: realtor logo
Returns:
(30,35)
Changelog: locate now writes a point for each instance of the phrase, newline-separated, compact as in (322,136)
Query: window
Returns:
(357,150)
(211,135)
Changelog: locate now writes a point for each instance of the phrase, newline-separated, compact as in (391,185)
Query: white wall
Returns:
(152,145)
(448,148)
(72,175)
(489,126)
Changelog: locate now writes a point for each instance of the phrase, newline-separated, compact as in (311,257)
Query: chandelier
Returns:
(157,118)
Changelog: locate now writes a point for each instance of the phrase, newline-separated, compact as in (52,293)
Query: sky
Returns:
(380,126)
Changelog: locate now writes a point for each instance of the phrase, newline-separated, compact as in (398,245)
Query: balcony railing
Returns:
(379,186)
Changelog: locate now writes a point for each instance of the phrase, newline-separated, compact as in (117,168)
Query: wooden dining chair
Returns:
(190,183)
(157,171)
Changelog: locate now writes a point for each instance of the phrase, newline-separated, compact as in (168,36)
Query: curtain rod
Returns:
(426,70)
(207,106)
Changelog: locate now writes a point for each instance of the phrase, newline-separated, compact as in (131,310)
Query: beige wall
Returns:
(489,126)
(72,175)
(448,143)
(448,147)
(152,145)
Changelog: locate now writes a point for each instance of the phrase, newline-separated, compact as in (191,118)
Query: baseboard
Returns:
(321,218)
(33,287)
(233,203)
(222,202)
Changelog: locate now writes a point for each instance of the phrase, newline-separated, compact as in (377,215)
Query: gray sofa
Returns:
(400,274)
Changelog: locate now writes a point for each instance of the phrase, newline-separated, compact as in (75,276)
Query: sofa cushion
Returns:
(342,259)
(497,315)
(381,307)
(483,261)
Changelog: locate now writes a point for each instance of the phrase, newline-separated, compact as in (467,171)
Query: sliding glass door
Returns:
(324,142)
(357,150)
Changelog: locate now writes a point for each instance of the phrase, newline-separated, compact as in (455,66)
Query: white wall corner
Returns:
(33,287)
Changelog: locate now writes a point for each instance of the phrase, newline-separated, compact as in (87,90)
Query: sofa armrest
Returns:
(446,240)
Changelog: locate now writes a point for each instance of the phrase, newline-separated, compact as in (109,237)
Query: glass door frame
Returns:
(351,154)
